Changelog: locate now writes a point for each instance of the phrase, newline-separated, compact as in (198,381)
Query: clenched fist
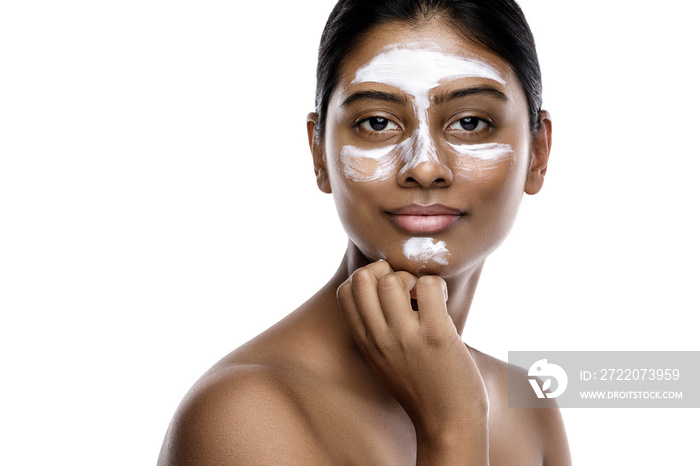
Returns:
(418,355)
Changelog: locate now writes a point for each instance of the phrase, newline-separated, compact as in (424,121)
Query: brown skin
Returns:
(355,376)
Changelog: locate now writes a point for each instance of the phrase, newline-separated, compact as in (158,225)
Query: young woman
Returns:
(427,131)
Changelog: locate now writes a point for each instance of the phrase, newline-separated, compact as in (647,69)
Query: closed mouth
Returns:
(420,219)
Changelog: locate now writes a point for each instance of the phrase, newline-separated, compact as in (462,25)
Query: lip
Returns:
(423,219)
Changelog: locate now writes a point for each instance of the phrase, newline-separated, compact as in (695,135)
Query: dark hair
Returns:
(496,24)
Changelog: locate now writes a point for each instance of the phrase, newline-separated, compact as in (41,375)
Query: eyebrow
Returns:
(376,95)
(443,98)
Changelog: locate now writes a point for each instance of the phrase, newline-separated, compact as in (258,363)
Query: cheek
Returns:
(482,163)
(365,165)
(495,174)
(477,163)
(499,195)
(355,201)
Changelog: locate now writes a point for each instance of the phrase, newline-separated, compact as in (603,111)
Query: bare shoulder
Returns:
(543,427)
(240,414)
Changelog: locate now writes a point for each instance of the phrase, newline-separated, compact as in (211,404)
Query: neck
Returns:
(461,287)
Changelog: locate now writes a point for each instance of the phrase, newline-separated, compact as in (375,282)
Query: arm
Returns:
(421,360)
(240,416)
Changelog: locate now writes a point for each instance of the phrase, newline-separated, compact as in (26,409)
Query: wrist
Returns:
(465,444)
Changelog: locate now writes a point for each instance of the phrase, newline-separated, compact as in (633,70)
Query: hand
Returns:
(418,356)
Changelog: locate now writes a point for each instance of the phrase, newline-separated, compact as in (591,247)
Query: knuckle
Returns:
(407,279)
(389,281)
(381,267)
(372,271)
(361,277)
(343,291)
(430,281)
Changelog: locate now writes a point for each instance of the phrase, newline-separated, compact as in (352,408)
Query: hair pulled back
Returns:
(498,25)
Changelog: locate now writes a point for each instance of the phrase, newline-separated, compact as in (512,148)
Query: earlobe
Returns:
(317,152)
(539,157)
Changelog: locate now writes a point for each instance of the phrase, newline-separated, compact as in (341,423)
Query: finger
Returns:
(431,296)
(408,279)
(364,283)
(395,298)
(346,301)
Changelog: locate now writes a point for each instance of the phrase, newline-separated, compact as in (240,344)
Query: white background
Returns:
(158,208)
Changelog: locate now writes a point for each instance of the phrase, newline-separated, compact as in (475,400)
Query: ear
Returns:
(318,154)
(539,157)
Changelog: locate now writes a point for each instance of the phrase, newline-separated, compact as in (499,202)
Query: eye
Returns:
(472,124)
(373,124)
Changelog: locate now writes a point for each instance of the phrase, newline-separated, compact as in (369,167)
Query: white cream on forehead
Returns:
(423,249)
(416,71)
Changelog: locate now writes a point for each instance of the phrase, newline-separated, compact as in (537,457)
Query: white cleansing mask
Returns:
(477,159)
(415,71)
(421,249)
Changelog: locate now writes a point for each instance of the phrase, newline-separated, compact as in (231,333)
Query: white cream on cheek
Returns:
(367,164)
(415,71)
(489,151)
(479,158)
(421,249)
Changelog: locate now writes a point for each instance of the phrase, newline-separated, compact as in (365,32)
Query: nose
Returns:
(424,167)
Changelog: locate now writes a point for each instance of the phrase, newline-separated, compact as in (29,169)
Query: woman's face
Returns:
(427,149)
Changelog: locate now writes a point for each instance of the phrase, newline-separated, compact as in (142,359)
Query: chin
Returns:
(419,268)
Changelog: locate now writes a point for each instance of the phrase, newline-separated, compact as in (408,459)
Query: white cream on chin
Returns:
(416,71)
(423,249)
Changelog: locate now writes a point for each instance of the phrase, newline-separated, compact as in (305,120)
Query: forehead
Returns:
(426,54)
(424,65)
